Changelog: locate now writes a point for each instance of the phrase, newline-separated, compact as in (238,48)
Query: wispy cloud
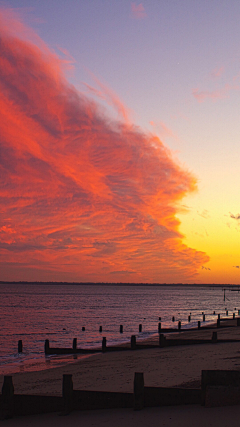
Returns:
(214,95)
(82,197)
(138,11)
(217,72)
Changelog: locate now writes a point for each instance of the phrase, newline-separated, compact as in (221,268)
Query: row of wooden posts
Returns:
(133,337)
(212,393)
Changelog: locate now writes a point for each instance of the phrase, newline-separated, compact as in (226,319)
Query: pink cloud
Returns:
(217,72)
(214,95)
(138,11)
(82,197)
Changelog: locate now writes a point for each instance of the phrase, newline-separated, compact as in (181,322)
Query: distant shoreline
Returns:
(202,285)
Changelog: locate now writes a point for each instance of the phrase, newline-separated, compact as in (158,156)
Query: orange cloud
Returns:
(82,198)
(138,11)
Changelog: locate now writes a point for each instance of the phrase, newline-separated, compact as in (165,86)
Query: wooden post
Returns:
(173,319)
(138,390)
(100,328)
(218,323)
(7,401)
(226,312)
(104,344)
(179,325)
(83,328)
(203,318)
(67,393)
(219,316)
(46,346)
(189,318)
(121,329)
(140,328)
(159,327)
(214,337)
(238,321)
(233,315)
(162,340)
(20,346)
(74,346)
(133,342)
(199,324)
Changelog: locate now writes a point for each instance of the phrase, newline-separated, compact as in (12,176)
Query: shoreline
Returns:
(163,367)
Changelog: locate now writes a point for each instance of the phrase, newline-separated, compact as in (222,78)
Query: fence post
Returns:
(20,346)
(104,344)
(162,340)
(138,390)
(74,346)
(67,393)
(46,346)
(7,403)
(133,342)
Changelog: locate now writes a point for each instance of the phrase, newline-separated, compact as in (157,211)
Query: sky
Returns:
(119,141)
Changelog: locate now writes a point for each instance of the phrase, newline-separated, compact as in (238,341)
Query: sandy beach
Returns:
(163,367)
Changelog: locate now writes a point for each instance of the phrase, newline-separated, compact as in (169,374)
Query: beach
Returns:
(177,366)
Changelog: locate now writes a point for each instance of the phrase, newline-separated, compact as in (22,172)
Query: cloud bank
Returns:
(82,198)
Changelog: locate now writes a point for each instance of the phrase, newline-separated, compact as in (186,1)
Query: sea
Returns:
(34,312)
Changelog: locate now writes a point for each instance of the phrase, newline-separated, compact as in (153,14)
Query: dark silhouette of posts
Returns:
(74,346)
(133,342)
(121,329)
(104,344)
(159,327)
(199,324)
(46,346)
(203,317)
(140,328)
(67,393)
(189,318)
(7,402)
(138,390)
(233,315)
(83,328)
(20,346)
(100,328)
(162,340)
(179,325)
(173,319)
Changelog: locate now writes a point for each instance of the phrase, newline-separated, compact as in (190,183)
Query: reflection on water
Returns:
(59,313)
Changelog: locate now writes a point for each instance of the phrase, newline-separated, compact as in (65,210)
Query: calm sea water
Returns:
(35,312)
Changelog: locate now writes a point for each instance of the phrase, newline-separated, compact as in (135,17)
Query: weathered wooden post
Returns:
(138,390)
(214,337)
(199,324)
(133,342)
(104,344)
(100,328)
(74,346)
(162,340)
(7,401)
(140,328)
(46,347)
(67,393)
(159,327)
(20,346)
(179,325)
(121,329)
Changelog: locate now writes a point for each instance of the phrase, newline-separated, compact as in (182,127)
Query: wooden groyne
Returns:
(162,342)
(218,388)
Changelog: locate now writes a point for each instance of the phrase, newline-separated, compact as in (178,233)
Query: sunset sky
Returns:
(119,141)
